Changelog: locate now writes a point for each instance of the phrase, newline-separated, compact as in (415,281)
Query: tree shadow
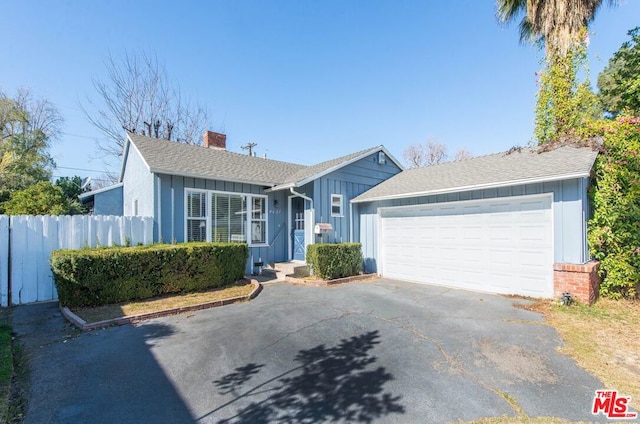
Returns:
(330,384)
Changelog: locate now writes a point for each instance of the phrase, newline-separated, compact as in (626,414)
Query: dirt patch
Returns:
(520,364)
(158,304)
(602,338)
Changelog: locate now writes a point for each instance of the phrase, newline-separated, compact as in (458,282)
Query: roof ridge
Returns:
(206,149)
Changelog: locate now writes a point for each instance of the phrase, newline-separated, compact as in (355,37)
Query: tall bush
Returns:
(614,229)
(330,261)
(91,277)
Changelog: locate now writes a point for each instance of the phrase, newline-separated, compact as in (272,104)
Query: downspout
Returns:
(350,222)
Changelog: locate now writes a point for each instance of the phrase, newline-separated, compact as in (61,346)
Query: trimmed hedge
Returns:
(93,277)
(331,261)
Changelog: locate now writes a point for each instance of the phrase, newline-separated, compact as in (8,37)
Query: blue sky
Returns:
(305,80)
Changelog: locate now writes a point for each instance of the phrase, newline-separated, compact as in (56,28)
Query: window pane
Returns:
(196,230)
(258,232)
(220,214)
(336,205)
(237,218)
(196,205)
(258,220)
(257,212)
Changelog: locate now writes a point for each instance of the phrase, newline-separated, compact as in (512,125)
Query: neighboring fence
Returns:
(26,243)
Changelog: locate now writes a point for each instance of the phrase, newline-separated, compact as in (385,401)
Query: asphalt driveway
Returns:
(382,351)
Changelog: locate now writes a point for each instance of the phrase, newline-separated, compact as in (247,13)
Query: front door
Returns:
(297,234)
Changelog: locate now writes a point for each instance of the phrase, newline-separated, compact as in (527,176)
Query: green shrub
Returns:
(614,229)
(330,261)
(92,277)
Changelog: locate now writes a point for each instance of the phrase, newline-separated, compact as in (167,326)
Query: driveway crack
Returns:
(455,364)
(291,333)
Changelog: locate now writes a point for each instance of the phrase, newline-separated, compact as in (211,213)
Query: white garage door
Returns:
(502,245)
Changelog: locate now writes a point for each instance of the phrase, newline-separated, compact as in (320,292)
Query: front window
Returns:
(258,221)
(196,216)
(224,217)
(228,212)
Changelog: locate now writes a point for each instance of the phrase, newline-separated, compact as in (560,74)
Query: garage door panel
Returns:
(498,246)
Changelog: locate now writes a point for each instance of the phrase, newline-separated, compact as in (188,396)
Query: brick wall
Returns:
(582,281)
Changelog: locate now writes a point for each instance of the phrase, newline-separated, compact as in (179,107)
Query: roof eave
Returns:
(92,193)
(475,187)
(329,170)
(209,177)
(281,187)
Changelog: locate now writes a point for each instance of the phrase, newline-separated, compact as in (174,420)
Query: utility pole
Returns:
(249,147)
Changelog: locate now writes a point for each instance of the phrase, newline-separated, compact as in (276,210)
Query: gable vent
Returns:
(382,158)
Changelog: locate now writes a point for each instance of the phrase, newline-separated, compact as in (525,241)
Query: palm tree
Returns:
(558,23)
(563,105)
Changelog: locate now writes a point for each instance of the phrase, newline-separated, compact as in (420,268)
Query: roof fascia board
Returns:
(339,166)
(395,161)
(475,187)
(128,144)
(188,175)
(100,190)
(125,156)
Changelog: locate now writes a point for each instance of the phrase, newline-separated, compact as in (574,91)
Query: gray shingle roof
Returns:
(168,157)
(499,169)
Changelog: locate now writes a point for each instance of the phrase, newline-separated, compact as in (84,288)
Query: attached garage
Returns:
(501,245)
(499,223)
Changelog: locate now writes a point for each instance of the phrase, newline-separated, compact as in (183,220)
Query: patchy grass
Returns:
(157,304)
(6,366)
(13,374)
(603,339)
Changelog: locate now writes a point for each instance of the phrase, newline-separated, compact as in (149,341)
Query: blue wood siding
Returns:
(138,185)
(349,181)
(171,220)
(570,215)
(108,202)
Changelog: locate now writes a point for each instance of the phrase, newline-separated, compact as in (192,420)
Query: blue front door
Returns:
(297,234)
(298,245)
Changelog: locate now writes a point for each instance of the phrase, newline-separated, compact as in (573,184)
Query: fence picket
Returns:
(4,260)
(31,239)
(19,243)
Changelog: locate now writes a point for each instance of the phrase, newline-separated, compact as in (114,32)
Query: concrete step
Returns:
(281,269)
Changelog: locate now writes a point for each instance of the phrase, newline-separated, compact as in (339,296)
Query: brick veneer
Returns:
(581,280)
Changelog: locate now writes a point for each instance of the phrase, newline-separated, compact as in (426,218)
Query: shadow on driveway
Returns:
(104,376)
(339,383)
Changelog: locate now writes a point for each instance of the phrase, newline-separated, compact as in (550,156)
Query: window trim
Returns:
(341,213)
(248,219)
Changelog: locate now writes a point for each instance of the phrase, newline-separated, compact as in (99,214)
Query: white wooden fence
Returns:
(26,243)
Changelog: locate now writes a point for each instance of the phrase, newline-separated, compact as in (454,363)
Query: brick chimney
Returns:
(214,140)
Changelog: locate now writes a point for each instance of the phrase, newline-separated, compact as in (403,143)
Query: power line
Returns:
(79,169)
(78,135)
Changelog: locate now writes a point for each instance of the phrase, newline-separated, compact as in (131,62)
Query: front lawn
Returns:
(6,367)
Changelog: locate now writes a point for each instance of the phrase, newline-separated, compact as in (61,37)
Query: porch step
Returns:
(281,269)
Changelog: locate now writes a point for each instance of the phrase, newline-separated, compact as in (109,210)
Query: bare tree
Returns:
(136,96)
(421,155)
(436,153)
(462,154)
(432,153)
(24,114)
(414,156)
